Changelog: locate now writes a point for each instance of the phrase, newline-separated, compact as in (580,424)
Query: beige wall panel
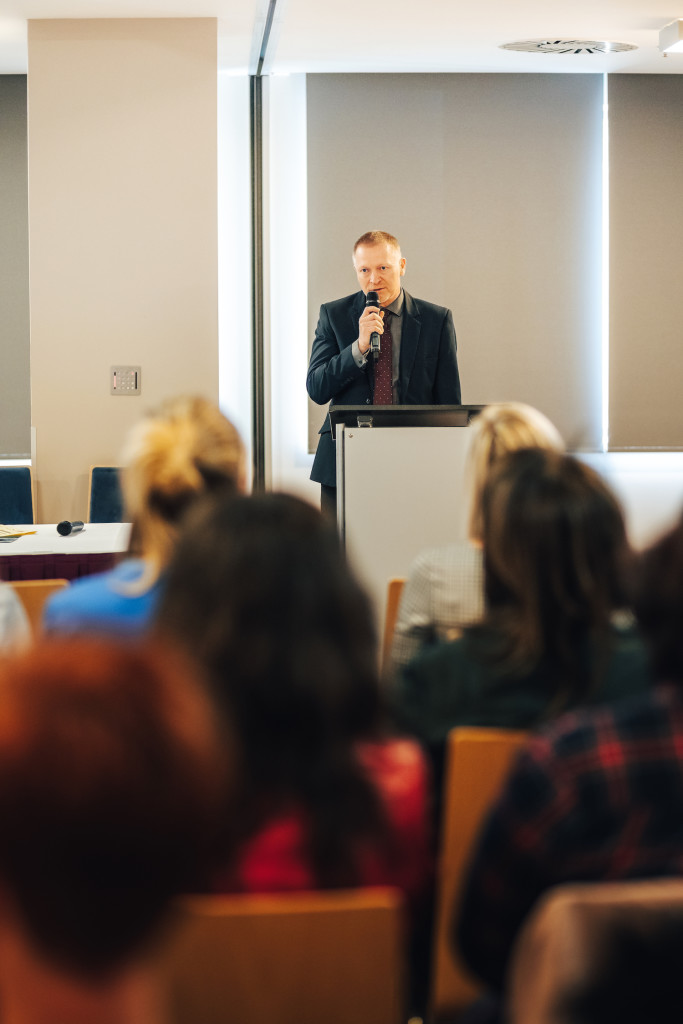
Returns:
(492,183)
(123,243)
(646,260)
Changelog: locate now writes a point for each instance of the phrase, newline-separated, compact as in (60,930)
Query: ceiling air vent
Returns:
(568,46)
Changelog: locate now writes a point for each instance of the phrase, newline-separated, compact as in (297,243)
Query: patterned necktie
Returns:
(383,394)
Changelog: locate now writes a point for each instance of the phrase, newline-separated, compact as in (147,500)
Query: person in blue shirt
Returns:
(185,452)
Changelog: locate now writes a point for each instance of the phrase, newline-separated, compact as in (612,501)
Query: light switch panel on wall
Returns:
(125,380)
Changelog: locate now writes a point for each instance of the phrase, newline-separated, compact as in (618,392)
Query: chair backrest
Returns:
(292,958)
(33,594)
(105,500)
(16,495)
(477,762)
(569,931)
(394,591)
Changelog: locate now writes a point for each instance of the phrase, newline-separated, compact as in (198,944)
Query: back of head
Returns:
(635,977)
(499,429)
(112,780)
(260,592)
(658,603)
(259,589)
(555,554)
(185,450)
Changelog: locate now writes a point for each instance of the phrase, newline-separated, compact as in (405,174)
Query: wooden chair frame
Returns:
(394,593)
(477,763)
(290,958)
(33,594)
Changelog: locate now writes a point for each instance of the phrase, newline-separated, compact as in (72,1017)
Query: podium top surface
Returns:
(402,415)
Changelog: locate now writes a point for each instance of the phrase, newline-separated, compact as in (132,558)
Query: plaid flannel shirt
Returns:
(598,796)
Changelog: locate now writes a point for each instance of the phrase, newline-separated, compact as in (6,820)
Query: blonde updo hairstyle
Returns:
(185,450)
(501,428)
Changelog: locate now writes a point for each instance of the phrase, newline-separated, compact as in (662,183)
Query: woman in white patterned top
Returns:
(444,591)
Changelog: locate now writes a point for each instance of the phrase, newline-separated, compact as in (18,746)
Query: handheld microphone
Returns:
(372,299)
(65,527)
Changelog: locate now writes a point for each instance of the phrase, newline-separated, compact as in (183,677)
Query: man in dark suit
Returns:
(417,362)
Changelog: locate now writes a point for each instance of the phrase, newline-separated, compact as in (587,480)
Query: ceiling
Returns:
(401,35)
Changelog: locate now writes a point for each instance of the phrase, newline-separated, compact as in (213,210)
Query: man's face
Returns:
(379,268)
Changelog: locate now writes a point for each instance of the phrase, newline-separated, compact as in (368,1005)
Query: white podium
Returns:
(400,485)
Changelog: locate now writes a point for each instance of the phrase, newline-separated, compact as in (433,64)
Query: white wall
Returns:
(649,486)
(122,232)
(288,287)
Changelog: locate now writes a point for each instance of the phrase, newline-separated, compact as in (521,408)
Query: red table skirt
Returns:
(55,567)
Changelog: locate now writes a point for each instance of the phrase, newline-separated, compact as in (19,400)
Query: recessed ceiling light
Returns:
(574,46)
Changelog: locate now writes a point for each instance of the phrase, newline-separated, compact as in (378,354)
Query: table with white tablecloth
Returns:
(44,554)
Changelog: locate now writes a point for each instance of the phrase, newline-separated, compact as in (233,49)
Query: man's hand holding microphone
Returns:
(371,325)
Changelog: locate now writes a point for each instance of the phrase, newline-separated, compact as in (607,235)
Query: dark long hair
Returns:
(658,603)
(555,557)
(260,593)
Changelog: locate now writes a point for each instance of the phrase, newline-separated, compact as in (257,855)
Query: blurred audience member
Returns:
(636,978)
(112,779)
(173,458)
(444,591)
(597,796)
(15,631)
(260,592)
(555,556)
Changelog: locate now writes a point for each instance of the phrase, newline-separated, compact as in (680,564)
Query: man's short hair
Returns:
(112,785)
(377,238)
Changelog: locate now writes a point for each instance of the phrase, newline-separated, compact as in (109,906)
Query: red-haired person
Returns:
(112,782)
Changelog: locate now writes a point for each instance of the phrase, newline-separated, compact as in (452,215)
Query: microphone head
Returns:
(372,299)
(65,527)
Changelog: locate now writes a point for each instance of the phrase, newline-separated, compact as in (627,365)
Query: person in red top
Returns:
(275,858)
(260,592)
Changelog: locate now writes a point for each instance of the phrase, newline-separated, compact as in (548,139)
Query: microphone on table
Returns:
(372,299)
(65,527)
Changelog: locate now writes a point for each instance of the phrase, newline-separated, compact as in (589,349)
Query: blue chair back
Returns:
(16,495)
(106,499)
